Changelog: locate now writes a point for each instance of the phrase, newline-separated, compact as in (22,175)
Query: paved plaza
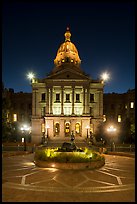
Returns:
(23,181)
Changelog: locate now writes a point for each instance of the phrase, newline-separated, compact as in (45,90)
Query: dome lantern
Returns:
(67,35)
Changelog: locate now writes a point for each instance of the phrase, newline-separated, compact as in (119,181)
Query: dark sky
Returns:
(103,33)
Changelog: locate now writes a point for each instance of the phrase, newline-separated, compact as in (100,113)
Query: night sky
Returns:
(103,33)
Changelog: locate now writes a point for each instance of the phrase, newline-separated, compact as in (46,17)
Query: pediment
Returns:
(68,74)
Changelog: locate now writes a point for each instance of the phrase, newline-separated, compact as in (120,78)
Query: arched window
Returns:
(67,128)
(77,128)
(57,128)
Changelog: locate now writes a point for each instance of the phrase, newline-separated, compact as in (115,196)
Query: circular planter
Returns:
(68,165)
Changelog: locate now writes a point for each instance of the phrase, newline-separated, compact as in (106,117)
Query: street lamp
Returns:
(105,76)
(24,130)
(47,128)
(30,76)
(111,129)
(87,127)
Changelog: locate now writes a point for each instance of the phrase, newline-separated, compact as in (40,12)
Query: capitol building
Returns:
(67,100)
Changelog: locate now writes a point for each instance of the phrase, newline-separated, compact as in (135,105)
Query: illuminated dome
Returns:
(67,52)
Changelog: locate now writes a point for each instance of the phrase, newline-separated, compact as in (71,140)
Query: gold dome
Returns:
(67,52)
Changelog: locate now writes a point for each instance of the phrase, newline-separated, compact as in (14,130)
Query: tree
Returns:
(132,130)
(6,107)
(128,130)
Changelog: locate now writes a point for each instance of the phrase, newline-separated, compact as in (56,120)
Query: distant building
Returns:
(119,112)
(67,100)
(20,106)
(118,107)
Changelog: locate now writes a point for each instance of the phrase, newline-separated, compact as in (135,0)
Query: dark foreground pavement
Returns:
(22,181)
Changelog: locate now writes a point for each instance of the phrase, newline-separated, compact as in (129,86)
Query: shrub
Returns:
(58,156)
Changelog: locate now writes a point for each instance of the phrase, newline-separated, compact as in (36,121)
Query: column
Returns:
(100,103)
(51,101)
(34,102)
(87,101)
(62,94)
(83,100)
(47,103)
(72,100)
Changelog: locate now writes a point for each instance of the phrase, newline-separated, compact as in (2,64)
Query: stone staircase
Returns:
(58,143)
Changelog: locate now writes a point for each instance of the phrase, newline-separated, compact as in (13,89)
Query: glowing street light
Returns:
(111,129)
(105,76)
(30,75)
(24,130)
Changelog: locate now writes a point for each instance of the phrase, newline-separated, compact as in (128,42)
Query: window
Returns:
(77,97)
(43,97)
(67,59)
(91,98)
(77,128)
(57,97)
(132,105)
(68,97)
(14,117)
(119,118)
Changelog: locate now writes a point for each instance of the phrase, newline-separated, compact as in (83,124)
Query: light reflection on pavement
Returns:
(117,175)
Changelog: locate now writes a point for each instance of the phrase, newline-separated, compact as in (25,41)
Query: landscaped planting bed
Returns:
(53,157)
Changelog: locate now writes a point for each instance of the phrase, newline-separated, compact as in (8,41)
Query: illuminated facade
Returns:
(67,99)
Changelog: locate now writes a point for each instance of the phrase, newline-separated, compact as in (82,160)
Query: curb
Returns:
(61,165)
(10,154)
(122,154)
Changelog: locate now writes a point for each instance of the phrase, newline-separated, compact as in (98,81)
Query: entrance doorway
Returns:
(78,129)
(56,129)
(67,129)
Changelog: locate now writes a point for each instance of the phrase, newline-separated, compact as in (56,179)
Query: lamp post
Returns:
(24,130)
(47,128)
(87,127)
(112,130)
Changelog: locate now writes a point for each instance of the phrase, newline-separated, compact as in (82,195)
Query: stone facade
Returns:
(67,99)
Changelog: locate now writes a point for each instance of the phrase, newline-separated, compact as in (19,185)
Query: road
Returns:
(22,181)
